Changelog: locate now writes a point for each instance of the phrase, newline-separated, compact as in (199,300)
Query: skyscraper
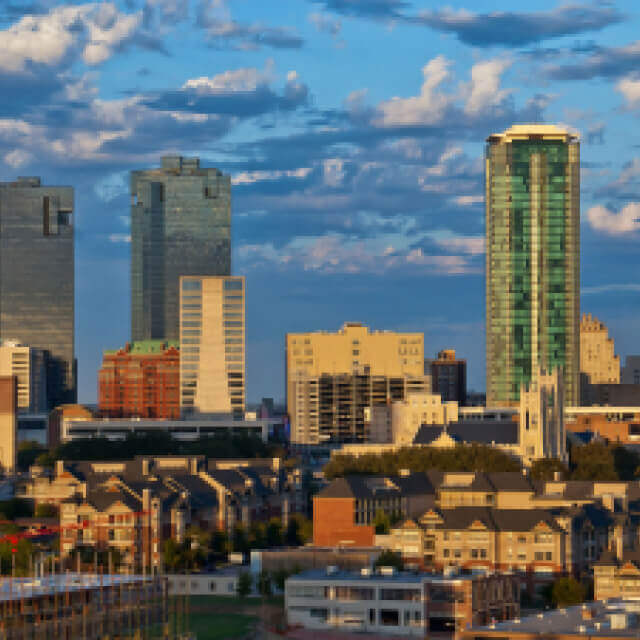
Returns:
(212,339)
(180,225)
(37,277)
(533,253)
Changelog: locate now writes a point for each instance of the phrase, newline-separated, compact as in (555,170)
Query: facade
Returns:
(598,361)
(29,366)
(542,432)
(398,603)
(81,427)
(136,505)
(180,225)
(533,251)
(212,345)
(8,423)
(333,377)
(37,277)
(614,395)
(615,424)
(631,370)
(617,575)
(60,416)
(449,377)
(141,380)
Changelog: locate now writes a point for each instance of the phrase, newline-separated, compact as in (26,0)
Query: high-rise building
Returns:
(333,377)
(212,340)
(598,361)
(449,377)
(29,366)
(140,381)
(631,370)
(532,260)
(180,225)
(8,423)
(37,277)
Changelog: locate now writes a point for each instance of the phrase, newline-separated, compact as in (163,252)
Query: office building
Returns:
(212,345)
(598,361)
(142,380)
(631,370)
(8,424)
(180,225)
(29,366)
(396,603)
(532,260)
(37,277)
(333,377)
(449,377)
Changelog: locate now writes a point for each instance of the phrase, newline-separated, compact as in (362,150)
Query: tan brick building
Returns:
(333,377)
(598,361)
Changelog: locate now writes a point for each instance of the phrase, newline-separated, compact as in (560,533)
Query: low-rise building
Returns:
(223,582)
(610,620)
(617,575)
(398,603)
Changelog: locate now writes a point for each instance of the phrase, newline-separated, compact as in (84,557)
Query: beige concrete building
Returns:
(8,424)
(29,367)
(399,422)
(212,344)
(542,432)
(598,360)
(333,377)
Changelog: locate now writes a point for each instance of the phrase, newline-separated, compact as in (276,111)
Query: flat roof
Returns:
(593,619)
(321,575)
(16,588)
(534,130)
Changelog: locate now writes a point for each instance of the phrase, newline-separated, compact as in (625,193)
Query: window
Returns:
(389,617)
(232,285)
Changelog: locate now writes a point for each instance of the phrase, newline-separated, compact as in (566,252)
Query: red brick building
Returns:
(142,380)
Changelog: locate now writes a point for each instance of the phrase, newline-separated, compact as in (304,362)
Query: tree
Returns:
(545,468)
(566,592)
(274,533)
(44,510)
(263,583)
(593,461)
(381,522)
(244,584)
(390,558)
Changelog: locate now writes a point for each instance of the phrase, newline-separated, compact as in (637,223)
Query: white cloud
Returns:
(630,89)
(93,31)
(625,221)
(250,177)
(333,171)
(484,89)
(611,288)
(245,79)
(468,201)
(18,158)
(427,108)
(471,245)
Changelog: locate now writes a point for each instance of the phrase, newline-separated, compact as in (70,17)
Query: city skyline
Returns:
(352,190)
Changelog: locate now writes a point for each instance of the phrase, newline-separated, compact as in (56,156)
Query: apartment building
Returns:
(135,505)
(141,380)
(598,362)
(617,575)
(449,376)
(397,603)
(29,366)
(333,377)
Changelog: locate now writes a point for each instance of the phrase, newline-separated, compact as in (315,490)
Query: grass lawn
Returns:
(219,626)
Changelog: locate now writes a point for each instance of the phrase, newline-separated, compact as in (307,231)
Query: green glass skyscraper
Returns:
(533,259)
(180,226)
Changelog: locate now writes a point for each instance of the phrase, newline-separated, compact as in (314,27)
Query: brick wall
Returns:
(334,524)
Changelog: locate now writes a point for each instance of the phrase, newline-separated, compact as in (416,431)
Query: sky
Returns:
(354,133)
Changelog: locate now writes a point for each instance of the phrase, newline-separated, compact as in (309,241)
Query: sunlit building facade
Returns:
(532,261)
(212,345)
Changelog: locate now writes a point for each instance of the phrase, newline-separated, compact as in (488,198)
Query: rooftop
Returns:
(327,575)
(613,619)
(536,131)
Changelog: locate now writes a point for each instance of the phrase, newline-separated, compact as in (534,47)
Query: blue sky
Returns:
(353,131)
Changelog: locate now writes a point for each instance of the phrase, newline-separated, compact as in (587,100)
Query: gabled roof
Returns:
(486,432)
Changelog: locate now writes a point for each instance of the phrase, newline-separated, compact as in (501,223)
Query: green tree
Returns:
(44,510)
(274,533)
(263,583)
(239,542)
(593,461)
(566,592)
(390,558)
(381,522)
(545,468)
(244,584)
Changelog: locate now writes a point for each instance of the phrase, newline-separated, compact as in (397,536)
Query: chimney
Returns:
(145,466)
(59,467)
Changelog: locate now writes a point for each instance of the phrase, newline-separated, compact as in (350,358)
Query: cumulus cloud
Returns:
(427,108)
(511,29)
(630,89)
(484,90)
(92,31)
(627,220)
(214,17)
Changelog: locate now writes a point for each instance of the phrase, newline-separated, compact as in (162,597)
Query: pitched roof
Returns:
(486,432)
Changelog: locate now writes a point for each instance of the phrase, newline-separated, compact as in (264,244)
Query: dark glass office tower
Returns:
(533,259)
(180,226)
(37,277)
